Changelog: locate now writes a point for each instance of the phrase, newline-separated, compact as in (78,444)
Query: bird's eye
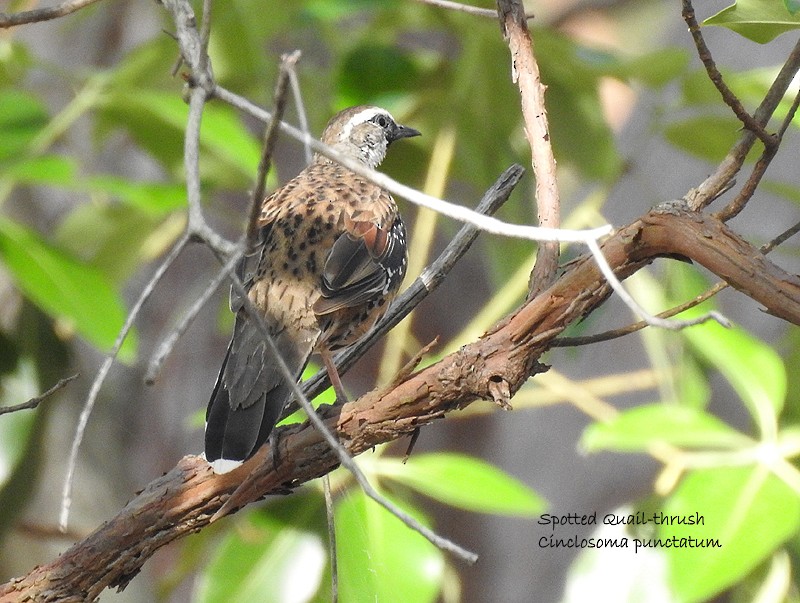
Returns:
(381,121)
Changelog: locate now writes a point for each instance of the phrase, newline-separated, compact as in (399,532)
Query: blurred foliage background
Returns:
(705,421)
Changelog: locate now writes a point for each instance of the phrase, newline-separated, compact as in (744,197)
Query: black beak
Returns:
(402,132)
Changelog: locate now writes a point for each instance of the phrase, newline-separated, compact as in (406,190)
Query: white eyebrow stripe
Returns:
(361,117)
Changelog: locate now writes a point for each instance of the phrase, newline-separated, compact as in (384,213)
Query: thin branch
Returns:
(34,402)
(205,35)
(270,138)
(525,72)
(715,76)
(466,8)
(695,301)
(711,187)
(651,320)
(300,106)
(748,190)
(43,14)
(563,342)
(94,390)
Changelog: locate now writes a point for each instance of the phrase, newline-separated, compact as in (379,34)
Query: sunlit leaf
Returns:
(63,287)
(708,137)
(50,170)
(267,558)
(380,559)
(465,482)
(22,116)
(155,198)
(754,369)
(640,427)
(757,20)
(747,510)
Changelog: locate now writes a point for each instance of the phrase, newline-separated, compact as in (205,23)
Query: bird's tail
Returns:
(250,393)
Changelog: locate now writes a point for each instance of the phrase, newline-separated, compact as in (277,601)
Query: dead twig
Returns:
(34,402)
(43,14)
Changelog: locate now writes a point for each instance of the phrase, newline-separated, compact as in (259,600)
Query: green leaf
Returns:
(372,70)
(380,559)
(50,170)
(270,557)
(64,288)
(110,237)
(793,6)
(748,510)
(15,428)
(655,69)
(22,116)
(464,482)
(640,427)
(754,369)
(707,136)
(757,20)
(157,199)
(579,131)
(157,121)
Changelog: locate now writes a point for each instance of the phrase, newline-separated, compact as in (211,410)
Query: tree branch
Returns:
(34,402)
(43,14)
(184,500)
(525,72)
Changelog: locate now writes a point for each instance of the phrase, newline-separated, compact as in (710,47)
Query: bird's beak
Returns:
(403,132)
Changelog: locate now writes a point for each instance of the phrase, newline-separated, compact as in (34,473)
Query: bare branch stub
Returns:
(525,72)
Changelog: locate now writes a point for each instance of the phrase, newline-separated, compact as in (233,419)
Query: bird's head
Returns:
(364,133)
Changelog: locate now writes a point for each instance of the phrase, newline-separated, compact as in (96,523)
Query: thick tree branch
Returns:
(185,499)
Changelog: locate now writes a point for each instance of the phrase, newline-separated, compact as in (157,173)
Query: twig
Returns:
(34,402)
(562,342)
(655,321)
(737,205)
(43,14)
(102,373)
(299,105)
(525,72)
(466,8)
(710,188)
(205,35)
(715,76)
(426,283)
(270,138)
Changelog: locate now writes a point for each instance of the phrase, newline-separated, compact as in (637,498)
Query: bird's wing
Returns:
(247,267)
(365,261)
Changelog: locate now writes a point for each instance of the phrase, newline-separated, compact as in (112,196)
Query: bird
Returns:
(330,255)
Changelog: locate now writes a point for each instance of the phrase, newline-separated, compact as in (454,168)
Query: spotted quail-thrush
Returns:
(330,257)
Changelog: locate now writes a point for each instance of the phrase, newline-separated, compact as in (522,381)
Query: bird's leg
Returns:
(333,374)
